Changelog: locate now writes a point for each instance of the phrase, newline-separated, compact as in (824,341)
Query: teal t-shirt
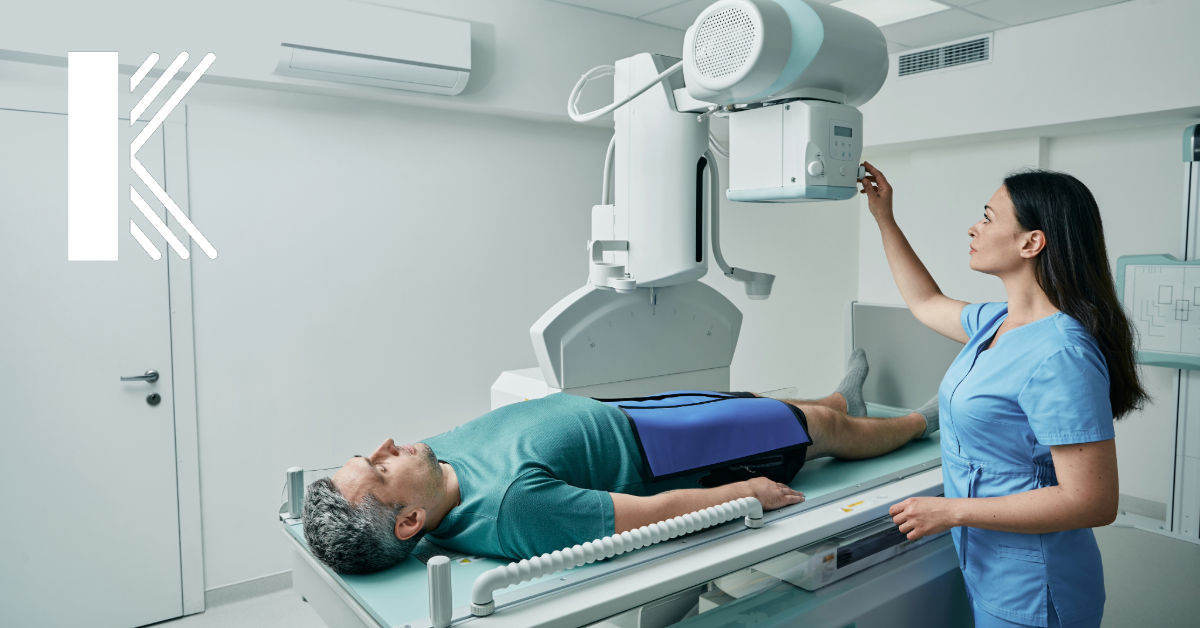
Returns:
(535,476)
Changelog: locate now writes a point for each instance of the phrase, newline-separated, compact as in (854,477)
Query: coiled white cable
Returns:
(608,70)
(482,603)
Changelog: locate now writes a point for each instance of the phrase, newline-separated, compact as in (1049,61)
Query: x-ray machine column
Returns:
(1183,507)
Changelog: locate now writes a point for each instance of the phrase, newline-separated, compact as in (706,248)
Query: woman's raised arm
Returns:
(921,293)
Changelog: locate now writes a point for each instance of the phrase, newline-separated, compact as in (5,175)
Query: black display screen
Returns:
(842,131)
(862,548)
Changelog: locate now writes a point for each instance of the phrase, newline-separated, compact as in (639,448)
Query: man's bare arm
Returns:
(631,512)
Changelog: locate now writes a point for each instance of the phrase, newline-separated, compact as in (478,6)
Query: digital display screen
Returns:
(842,131)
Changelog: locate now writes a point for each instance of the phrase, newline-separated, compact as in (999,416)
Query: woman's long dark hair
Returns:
(1073,271)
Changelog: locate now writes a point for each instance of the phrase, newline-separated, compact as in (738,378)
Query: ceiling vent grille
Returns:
(961,53)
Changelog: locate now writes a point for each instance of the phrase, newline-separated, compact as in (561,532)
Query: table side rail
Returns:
(646,582)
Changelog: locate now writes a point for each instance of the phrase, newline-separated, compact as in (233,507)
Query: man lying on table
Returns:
(544,474)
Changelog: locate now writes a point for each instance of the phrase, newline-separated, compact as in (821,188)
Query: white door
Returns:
(89,524)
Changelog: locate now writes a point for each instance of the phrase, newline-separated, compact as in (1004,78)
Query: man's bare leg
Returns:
(841,436)
(834,402)
(836,433)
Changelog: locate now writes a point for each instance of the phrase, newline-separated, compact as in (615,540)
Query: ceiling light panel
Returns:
(680,15)
(629,8)
(1023,11)
(884,12)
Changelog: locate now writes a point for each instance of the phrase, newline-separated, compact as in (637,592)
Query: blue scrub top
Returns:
(1044,383)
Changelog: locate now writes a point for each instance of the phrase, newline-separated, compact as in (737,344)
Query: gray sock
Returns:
(930,412)
(852,383)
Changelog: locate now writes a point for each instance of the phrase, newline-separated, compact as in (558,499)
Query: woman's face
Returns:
(998,243)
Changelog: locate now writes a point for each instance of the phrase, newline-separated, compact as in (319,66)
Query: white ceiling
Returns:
(964,18)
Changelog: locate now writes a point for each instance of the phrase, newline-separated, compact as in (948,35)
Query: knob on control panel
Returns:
(816,168)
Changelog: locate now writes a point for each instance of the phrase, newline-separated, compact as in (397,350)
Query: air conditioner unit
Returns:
(391,49)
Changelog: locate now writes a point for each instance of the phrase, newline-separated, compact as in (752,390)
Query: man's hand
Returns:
(924,516)
(630,511)
(773,495)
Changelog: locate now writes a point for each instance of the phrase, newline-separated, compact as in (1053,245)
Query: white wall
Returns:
(1136,178)
(526,53)
(939,194)
(1125,59)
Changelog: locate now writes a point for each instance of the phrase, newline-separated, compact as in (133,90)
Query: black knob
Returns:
(153,399)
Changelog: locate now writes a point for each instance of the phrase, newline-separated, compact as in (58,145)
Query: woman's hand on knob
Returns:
(878,191)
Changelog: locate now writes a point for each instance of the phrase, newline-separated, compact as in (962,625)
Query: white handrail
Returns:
(482,603)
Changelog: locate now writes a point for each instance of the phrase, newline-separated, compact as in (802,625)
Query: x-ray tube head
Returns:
(752,51)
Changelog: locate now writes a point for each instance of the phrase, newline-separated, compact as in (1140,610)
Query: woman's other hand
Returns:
(924,516)
(878,191)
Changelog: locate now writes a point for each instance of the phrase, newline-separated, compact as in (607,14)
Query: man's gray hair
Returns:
(352,539)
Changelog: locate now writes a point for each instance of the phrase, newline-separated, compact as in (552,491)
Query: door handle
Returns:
(150,376)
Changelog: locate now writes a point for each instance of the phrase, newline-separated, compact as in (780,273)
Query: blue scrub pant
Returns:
(984,619)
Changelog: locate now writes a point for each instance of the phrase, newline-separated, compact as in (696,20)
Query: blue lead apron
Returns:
(686,431)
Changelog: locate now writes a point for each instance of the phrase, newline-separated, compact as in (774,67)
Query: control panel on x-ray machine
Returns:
(802,150)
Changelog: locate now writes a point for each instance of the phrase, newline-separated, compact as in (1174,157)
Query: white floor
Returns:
(282,608)
(1151,581)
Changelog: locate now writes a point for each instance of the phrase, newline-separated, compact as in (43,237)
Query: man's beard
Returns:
(437,479)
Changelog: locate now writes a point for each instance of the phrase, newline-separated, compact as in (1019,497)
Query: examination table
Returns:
(721,576)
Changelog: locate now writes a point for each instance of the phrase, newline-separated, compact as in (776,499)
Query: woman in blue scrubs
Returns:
(1027,408)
